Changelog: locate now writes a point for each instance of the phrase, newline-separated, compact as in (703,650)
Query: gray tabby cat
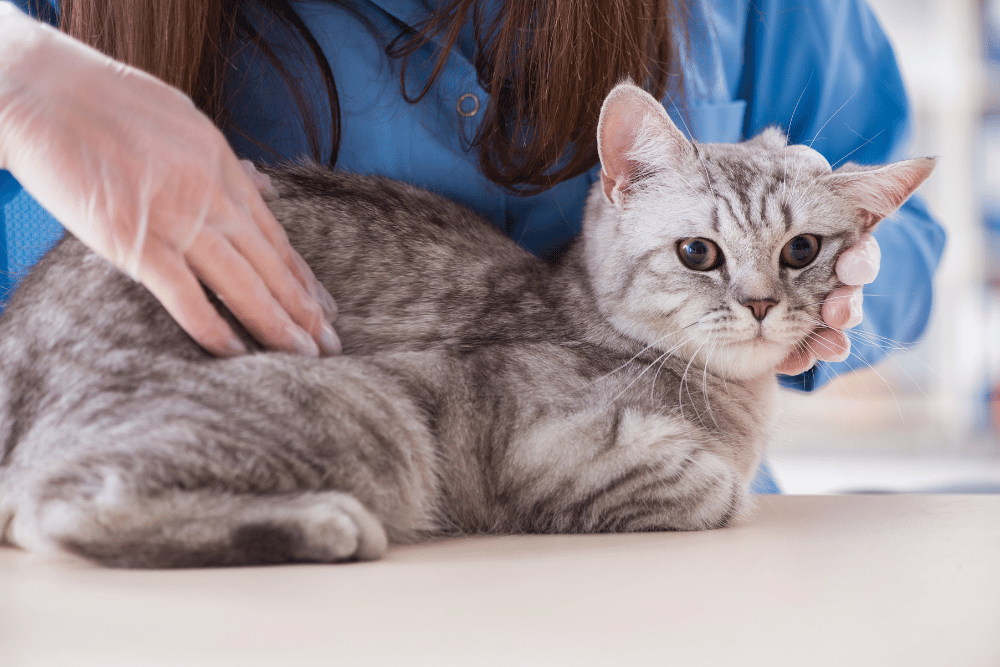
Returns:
(627,386)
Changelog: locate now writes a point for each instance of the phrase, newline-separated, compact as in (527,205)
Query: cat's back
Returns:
(409,268)
(378,215)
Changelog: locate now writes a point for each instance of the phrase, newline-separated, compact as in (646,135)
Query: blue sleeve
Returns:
(826,71)
(27,231)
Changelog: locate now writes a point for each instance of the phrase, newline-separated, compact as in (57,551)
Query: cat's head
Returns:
(723,252)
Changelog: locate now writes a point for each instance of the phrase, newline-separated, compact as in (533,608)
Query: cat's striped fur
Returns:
(480,390)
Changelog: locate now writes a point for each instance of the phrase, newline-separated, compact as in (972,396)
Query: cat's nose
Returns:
(759,307)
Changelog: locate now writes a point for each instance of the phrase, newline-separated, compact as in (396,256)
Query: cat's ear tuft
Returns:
(879,191)
(635,137)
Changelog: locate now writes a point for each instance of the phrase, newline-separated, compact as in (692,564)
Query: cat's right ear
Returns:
(635,137)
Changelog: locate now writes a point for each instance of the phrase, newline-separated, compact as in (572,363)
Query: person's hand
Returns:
(130,167)
(857,266)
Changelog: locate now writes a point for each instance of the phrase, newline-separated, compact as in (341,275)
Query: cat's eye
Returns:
(699,254)
(800,251)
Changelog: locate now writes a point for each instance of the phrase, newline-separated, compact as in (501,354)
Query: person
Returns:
(428,92)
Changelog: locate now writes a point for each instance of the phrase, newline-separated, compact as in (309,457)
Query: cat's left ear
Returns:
(878,192)
(635,137)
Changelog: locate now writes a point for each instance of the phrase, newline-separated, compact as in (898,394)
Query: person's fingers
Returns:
(286,289)
(276,236)
(842,307)
(829,345)
(173,284)
(859,264)
(231,277)
(133,169)
(306,277)
(798,361)
(261,181)
(823,344)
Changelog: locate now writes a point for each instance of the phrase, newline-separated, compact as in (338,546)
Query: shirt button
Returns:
(468,105)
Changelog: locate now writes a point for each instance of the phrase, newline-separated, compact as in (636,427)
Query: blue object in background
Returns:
(27,231)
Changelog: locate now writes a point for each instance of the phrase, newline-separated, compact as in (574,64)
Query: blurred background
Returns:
(928,418)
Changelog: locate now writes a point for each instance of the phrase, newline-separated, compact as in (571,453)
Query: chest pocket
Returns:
(718,122)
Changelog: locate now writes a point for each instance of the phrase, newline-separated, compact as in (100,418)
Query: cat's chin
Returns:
(746,360)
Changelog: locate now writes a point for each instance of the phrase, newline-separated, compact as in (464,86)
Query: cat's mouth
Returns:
(760,342)
(759,337)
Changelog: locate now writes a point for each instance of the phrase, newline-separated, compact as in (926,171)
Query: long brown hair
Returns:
(546,64)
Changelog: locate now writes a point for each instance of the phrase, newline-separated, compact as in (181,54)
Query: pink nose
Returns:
(759,307)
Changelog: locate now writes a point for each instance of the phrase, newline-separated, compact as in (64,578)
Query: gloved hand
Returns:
(130,167)
(857,266)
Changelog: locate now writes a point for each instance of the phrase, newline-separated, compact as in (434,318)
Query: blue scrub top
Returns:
(823,70)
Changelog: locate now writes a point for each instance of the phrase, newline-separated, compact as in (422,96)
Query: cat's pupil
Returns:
(800,251)
(699,254)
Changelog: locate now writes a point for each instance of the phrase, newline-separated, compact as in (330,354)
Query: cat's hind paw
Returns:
(336,527)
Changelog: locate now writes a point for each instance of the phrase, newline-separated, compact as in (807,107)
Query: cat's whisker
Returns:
(799,198)
(663,356)
(872,339)
(889,345)
(825,299)
(866,142)
(698,155)
(784,157)
(661,362)
(867,336)
(801,195)
(704,381)
(871,366)
(686,384)
(822,127)
(638,354)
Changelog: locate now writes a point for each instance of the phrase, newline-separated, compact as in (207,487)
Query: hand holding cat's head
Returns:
(723,252)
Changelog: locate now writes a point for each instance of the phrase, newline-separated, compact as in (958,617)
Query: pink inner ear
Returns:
(630,119)
(609,184)
(618,130)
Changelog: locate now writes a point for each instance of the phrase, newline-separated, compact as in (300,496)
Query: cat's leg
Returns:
(274,460)
(627,471)
(104,519)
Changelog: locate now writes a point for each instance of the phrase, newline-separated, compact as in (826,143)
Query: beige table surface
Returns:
(835,580)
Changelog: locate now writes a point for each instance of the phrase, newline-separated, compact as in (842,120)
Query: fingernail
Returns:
(261,181)
(872,249)
(304,344)
(267,191)
(327,302)
(834,311)
(839,349)
(857,313)
(855,270)
(235,347)
(328,340)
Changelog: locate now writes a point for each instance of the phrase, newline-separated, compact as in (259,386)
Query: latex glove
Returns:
(130,167)
(857,266)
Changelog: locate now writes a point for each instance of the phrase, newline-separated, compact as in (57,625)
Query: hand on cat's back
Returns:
(132,169)
(857,266)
